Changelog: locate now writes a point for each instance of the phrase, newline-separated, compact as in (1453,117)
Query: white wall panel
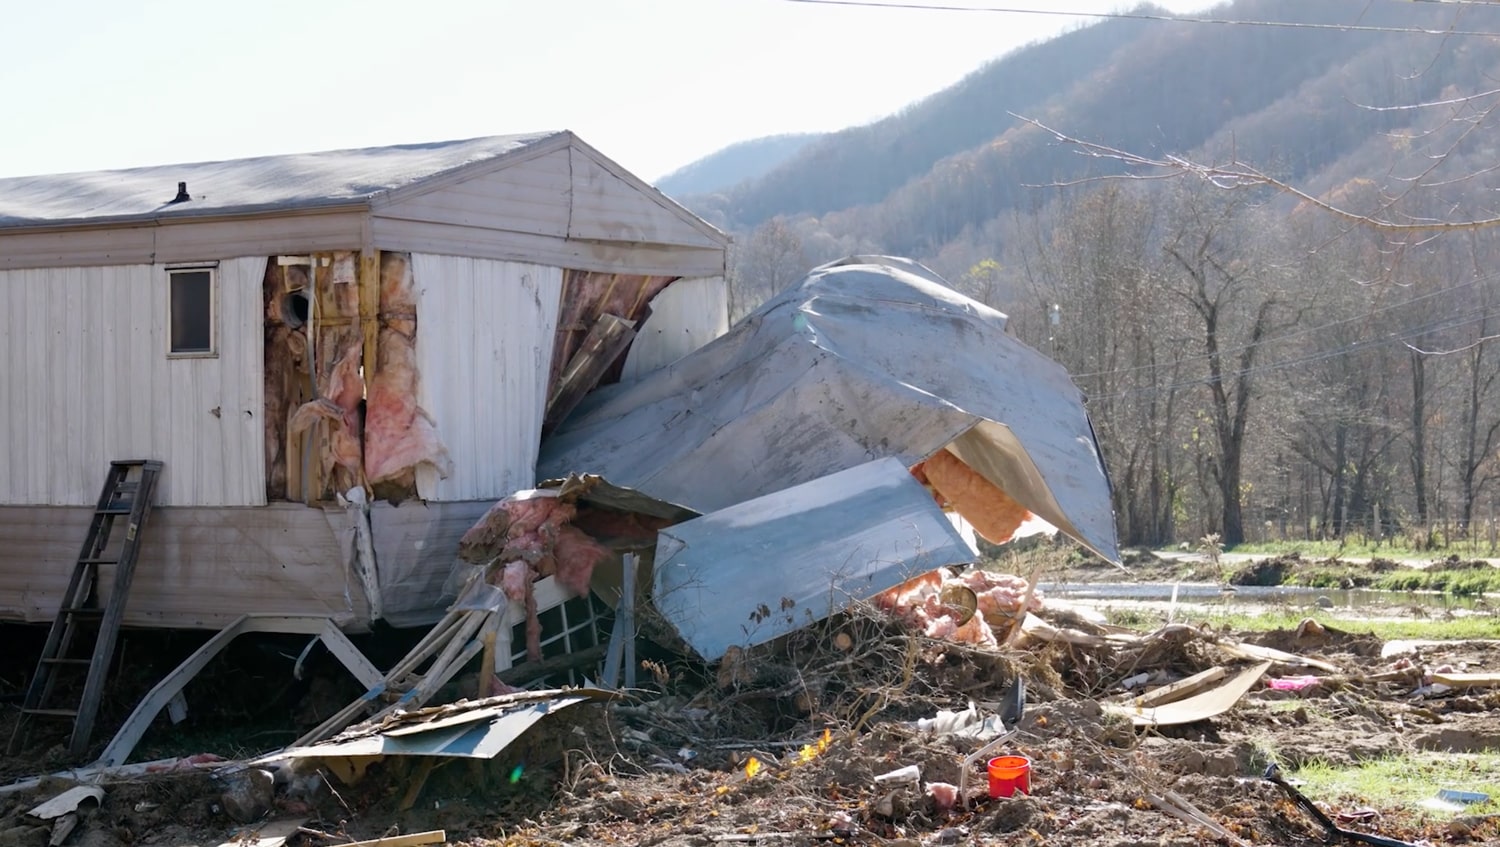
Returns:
(86,379)
(485,330)
(685,315)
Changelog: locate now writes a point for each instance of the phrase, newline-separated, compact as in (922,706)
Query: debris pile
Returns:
(860,728)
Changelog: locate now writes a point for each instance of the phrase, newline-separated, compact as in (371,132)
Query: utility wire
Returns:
(1146,16)
(1297,333)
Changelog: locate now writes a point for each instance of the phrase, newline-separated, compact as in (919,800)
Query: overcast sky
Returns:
(654,84)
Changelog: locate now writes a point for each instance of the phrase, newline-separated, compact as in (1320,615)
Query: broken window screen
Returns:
(577,624)
(192,310)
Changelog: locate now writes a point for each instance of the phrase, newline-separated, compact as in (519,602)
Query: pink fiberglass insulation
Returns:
(1000,593)
(533,625)
(398,294)
(340,406)
(513,579)
(576,555)
(398,433)
(992,512)
(526,538)
(918,603)
(524,528)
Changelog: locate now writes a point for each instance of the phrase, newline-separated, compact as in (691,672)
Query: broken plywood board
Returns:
(1467,680)
(1270,654)
(269,834)
(1202,706)
(415,839)
(1180,689)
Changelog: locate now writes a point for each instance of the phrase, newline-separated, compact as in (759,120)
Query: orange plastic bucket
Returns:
(1009,774)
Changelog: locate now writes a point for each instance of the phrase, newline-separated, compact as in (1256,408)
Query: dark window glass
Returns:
(192,312)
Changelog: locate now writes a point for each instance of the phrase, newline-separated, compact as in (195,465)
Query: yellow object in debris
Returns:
(812,751)
(752,767)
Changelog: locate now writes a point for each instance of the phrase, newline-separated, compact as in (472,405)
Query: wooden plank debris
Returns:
(1180,689)
(1271,654)
(415,839)
(1467,680)
(1202,706)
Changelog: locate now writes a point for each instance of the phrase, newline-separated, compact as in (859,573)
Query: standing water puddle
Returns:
(1197,597)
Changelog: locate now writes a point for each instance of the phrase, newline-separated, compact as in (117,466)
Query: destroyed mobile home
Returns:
(784,517)
(341,360)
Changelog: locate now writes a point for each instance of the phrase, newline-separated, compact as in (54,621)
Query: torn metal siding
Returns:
(484,352)
(772,565)
(86,378)
(867,358)
(200,568)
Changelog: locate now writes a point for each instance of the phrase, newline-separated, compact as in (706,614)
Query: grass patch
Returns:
(1357,547)
(1460,583)
(1460,628)
(1407,780)
(1365,548)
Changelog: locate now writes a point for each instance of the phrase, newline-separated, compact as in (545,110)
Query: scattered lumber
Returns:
(1180,689)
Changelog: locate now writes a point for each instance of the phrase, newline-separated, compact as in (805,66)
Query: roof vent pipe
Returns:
(182,194)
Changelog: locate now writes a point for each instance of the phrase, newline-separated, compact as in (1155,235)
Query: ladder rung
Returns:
(114,510)
(85,613)
(98,561)
(52,713)
(49,661)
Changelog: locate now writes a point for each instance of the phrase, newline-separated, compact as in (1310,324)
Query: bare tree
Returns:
(1237,306)
(770,260)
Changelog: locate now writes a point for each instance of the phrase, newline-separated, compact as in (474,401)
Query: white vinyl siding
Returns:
(686,315)
(485,331)
(87,379)
(609,207)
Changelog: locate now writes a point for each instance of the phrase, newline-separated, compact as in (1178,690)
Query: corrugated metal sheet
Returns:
(865,358)
(87,379)
(485,332)
(769,566)
(686,315)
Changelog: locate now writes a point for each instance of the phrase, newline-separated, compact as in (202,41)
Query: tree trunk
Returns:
(1419,436)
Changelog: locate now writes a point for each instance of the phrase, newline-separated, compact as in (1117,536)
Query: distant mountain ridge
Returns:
(734,164)
(1291,99)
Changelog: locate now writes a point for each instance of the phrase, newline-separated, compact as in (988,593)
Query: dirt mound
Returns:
(1273,571)
(1316,640)
(1454,563)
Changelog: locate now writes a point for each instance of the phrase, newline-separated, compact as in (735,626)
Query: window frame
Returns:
(212,269)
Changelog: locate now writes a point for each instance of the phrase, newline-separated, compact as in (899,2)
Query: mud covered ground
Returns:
(691,762)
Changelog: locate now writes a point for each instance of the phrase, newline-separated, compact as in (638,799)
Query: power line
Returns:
(1146,16)
(1297,333)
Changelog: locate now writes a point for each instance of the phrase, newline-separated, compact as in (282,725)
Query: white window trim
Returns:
(213,310)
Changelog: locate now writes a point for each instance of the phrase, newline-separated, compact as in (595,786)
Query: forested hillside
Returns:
(1259,362)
